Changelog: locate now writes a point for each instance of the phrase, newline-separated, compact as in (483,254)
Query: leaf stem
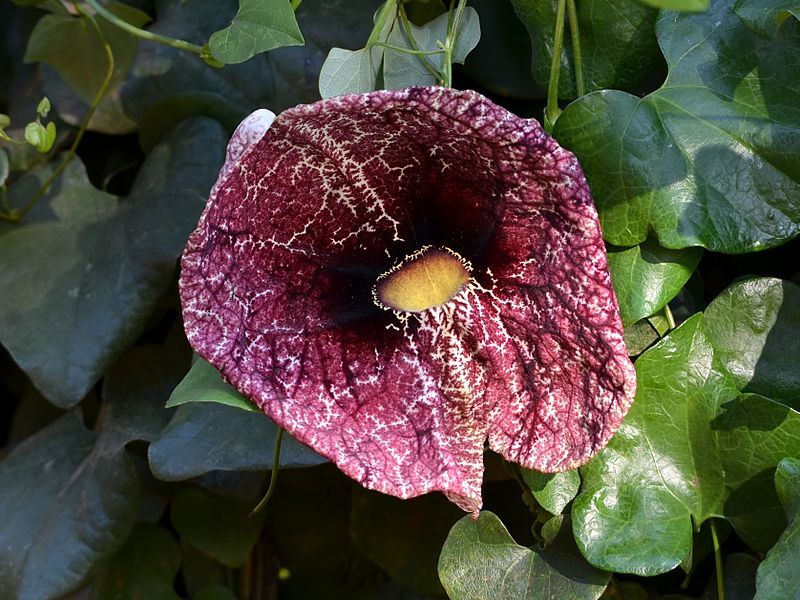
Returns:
(552,110)
(143,34)
(453,25)
(386,11)
(407,50)
(422,57)
(14,215)
(273,478)
(669,317)
(717,560)
(575,36)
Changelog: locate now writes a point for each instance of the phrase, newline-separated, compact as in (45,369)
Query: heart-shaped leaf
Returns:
(83,272)
(481,560)
(663,163)
(203,383)
(553,491)
(692,446)
(259,26)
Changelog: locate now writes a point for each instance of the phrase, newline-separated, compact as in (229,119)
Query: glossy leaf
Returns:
(553,491)
(259,26)
(204,437)
(481,560)
(402,70)
(145,567)
(203,383)
(84,271)
(220,527)
(779,574)
(692,446)
(766,16)
(70,45)
(618,46)
(663,163)
(403,537)
(648,276)
(71,496)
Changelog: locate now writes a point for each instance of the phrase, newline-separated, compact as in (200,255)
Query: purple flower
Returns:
(396,277)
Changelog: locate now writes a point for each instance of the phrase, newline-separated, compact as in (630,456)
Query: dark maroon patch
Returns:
(277,281)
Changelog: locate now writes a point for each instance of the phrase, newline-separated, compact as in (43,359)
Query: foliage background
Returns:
(686,121)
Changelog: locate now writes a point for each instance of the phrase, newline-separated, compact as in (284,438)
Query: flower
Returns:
(396,277)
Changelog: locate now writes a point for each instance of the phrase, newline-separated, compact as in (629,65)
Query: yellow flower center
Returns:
(427,278)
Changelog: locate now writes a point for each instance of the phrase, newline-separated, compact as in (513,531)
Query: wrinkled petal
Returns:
(277,280)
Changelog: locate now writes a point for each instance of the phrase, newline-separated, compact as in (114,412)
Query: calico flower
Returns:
(397,277)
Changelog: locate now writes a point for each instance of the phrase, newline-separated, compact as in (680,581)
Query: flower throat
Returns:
(430,277)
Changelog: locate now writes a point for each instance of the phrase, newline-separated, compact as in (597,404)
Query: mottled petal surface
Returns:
(277,291)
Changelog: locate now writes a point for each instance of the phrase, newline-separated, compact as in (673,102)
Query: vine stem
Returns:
(16,215)
(575,36)
(143,34)
(423,58)
(386,11)
(669,317)
(717,560)
(273,477)
(552,110)
(453,25)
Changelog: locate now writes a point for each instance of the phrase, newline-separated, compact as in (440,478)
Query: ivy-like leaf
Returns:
(648,276)
(481,560)
(618,46)
(553,491)
(219,527)
(401,70)
(69,496)
(766,16)
(72,47)
(350,71)
(203,383)
(83,271)
(403,537)
(145,567)
(692,447)
(779,574)
(206,437)
(664,163)
(259,26)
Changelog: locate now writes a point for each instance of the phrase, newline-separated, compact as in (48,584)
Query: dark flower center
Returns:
(429,277)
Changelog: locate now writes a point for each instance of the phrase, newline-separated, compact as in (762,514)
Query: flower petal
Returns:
(277,281)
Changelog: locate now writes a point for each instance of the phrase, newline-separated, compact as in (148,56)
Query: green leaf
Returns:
(692,446)
(648,276)
(203,383)
(684,5)
(43,108)
(401,70)
(403,537)
(69,496)
(220,527)
(39,136)
(350,71)
(259,26)
(618,46)
(765,17)
(207,437)
(553,491)
(83,272)
(215,592)
(663,163)
(73,48)
(145,567)
(481,560)
(779,574)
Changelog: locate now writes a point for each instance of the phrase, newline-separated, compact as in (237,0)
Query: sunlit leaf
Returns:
(259,26)
(203,383)
(710,159)
(481,560)
(553,491)
(693,446)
